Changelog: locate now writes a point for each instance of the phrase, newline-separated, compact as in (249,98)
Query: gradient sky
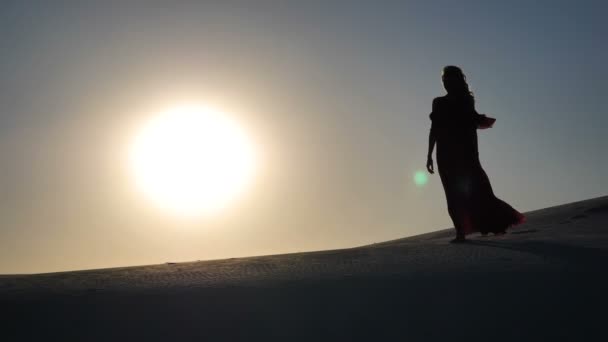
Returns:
(336,95)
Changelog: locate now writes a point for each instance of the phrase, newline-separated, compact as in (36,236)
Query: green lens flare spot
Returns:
(420,178)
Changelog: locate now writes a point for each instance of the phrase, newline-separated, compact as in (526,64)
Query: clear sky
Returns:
(335,94)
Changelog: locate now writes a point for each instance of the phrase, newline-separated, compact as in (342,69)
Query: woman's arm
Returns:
(429,157)
(432,139)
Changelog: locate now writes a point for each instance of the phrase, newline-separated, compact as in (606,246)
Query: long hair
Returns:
(455,74)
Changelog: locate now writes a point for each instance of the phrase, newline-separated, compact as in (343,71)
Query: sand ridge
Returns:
(578,228)
(545,280)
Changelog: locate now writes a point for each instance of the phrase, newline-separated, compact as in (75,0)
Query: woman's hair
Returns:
(455,75)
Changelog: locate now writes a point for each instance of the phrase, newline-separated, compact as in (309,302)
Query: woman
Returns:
(471,201)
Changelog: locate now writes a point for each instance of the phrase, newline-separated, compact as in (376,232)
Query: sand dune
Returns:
(546,279)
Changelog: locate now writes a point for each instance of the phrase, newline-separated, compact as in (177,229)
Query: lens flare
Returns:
(420,178)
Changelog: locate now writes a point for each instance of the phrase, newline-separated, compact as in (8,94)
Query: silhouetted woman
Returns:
(471,201)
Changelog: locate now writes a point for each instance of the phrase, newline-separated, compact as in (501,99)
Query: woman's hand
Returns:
(429,165)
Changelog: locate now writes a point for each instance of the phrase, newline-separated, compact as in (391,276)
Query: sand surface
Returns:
(546,279)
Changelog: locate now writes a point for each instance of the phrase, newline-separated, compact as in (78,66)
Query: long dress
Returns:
(471,202)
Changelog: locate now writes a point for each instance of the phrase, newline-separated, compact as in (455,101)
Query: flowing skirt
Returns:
(472,204)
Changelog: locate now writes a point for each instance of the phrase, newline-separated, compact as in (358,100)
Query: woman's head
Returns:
(455,82)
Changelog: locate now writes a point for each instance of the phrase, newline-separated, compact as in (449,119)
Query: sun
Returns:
(192,160)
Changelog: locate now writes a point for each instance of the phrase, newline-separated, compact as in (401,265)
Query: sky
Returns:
(335,95)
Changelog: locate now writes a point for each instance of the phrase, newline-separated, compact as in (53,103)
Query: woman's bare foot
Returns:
(459,239)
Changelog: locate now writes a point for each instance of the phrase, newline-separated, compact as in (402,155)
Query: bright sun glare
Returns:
(192,160)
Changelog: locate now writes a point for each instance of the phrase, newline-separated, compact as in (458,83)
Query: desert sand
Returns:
(546,279)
